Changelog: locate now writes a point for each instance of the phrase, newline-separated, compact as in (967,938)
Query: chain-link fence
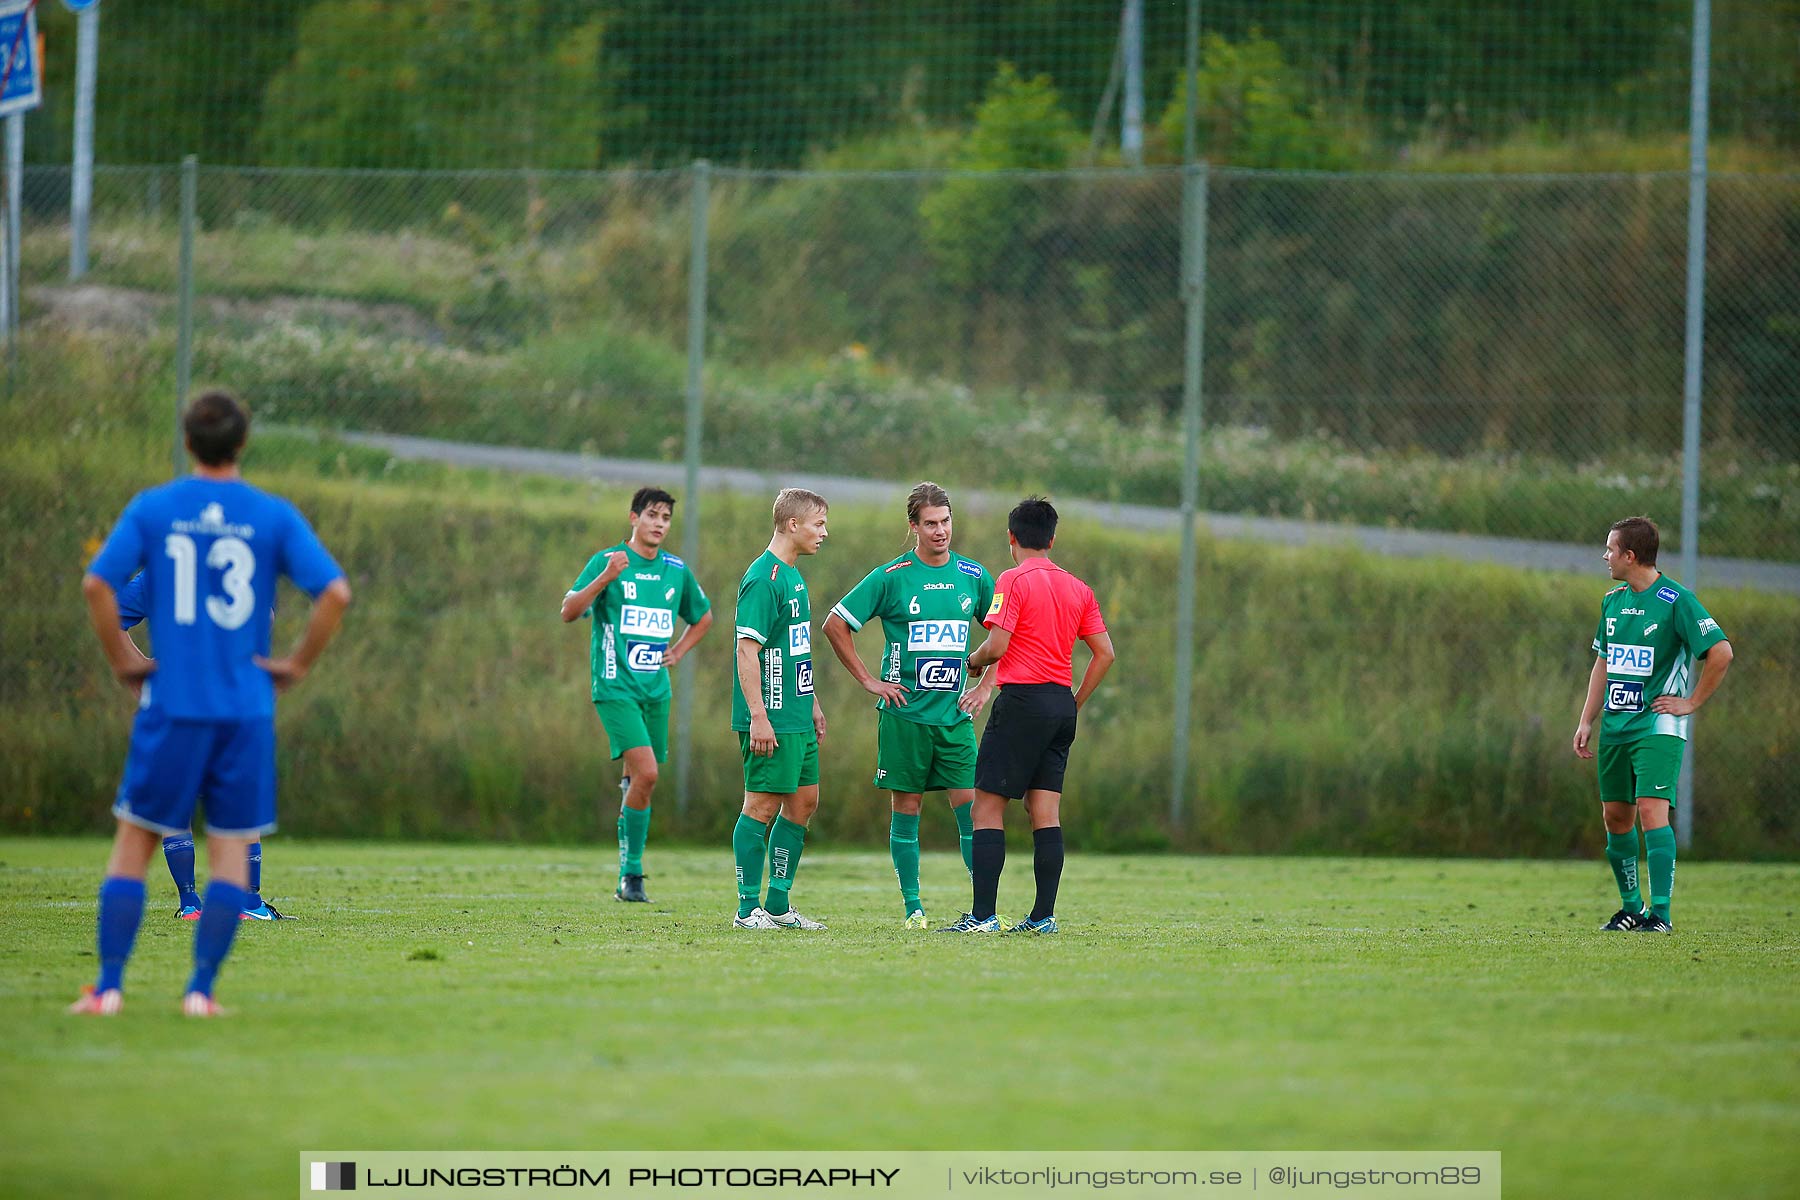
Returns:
(1389,359)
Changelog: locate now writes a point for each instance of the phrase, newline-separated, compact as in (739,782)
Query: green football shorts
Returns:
(911,757)
(794,765)
(633,723)
(1649,766)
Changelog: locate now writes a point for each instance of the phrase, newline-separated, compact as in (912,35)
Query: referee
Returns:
(1038,612)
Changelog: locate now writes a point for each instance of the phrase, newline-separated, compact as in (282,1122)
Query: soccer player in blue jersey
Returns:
(178,849)
(211,548)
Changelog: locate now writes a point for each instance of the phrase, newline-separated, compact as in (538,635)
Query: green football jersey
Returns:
(634,620)
(1651,641)
(925,617)
(774,612)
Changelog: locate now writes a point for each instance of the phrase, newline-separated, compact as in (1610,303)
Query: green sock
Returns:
(1622,855)
(634,830)
(1659,848)
(786,840)
(965,833)
(747,848)
(903,845)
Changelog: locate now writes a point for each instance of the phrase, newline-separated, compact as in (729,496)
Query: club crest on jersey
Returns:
(803,677)
(940,674)
(635,620)
(1630,660)
(937,637)
(1624,696)
(1666,593)
(969,568)
(968,602)
(644,656)
(799,639)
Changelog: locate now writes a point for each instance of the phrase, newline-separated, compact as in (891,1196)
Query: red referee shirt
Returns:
(1046,610)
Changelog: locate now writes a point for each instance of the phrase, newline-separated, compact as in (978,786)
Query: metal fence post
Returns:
(184,342)
(15,199)
(1690,391)
(1194,185)
(81,175)
(690,521)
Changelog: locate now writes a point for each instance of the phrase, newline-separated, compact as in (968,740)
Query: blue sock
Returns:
(121,912)
(255,899)
(178,852)
(212,935)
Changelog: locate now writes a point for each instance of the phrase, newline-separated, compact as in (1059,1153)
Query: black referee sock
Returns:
(1047,862)
(989,851)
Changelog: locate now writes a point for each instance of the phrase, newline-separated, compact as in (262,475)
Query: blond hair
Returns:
(796,504)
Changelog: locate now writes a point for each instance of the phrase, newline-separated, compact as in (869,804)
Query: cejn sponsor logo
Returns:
(644,656)
(803,677)
(635,620)
(1624,696)
(937,637)
(1630,660)
(940,674)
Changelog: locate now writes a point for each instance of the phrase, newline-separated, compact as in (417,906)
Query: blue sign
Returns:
(24,87)
(76,6)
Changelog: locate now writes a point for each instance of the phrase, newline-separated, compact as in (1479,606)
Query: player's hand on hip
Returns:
(671,657)
(285,671)
(762,737)
(1584,738)
(972,700)
(888,693)
(1673,706)
(133,674)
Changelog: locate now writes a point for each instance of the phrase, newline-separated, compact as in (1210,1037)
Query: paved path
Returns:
(1405,543)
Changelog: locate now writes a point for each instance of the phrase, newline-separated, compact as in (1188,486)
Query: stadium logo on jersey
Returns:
(938,587)
(1630,660)
(1623,696)
(940,674)
(799,640)
(1666,593)
(1631,612)
(772,684)
(635,620)
(652,576)
(644,656)
(803,677)
(1651,628)
(969,568)
(937,637)
(212,521)
(1707,625)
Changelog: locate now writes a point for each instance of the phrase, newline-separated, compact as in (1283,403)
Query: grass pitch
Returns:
(496,998)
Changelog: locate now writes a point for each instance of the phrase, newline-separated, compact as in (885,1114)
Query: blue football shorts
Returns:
(228,767)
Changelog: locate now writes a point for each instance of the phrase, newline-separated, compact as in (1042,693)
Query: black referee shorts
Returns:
(1025,746)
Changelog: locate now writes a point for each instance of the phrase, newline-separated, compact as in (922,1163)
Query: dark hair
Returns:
(216,427)
(644,497)
(1638,535)
(1032,522)
(923,496)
